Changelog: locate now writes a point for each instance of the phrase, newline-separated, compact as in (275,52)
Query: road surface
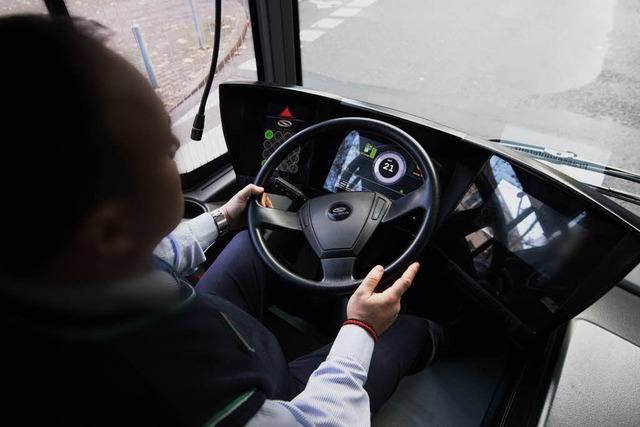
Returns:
(561,74)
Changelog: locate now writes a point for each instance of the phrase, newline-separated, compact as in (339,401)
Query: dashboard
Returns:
(529,243)
(354,161)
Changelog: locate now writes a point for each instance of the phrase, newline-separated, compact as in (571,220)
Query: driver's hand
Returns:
(379,309)
(236,208)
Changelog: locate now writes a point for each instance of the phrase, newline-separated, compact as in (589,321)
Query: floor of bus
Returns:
(454,391)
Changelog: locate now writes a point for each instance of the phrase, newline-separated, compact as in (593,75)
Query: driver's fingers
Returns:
(250,190)
(370,282)
(266,201)
(401,285)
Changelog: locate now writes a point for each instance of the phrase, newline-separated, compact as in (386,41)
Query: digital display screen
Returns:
(363,164)
(526,243)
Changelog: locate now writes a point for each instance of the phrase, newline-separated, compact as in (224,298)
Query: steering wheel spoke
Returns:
(338,270)
(276,219)
(417,199)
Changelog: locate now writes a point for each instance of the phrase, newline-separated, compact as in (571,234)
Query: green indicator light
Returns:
(263,162)
(401,191)
(369,151)
(268,134)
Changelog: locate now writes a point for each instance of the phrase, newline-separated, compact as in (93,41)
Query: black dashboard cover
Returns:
(529,242)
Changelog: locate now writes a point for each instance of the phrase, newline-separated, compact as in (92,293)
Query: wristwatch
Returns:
(221,221)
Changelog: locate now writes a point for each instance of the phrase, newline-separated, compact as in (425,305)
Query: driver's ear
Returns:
(107,231)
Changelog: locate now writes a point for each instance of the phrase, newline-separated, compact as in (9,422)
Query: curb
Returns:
(222,60)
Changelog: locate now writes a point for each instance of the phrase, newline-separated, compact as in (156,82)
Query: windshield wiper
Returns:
(571,159)
(568,158)
(618,194)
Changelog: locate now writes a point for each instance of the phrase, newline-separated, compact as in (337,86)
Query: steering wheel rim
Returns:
(338,275)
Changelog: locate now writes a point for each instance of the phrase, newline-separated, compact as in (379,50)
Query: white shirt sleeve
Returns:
(334,395)
(184,248)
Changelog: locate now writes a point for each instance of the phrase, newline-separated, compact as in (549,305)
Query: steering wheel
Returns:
(338,225)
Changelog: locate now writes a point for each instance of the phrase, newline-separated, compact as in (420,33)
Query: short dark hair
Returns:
(58,160)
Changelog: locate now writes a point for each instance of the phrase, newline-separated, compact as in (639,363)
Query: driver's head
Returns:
(88,178)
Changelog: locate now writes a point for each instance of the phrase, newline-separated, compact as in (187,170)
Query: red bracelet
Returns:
(367,327)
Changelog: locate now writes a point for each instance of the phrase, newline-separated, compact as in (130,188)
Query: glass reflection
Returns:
(526,253)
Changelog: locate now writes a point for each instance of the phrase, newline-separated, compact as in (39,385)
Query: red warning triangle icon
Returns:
(286,113)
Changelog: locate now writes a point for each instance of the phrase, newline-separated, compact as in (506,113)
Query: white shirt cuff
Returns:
(204,229)
(355,343)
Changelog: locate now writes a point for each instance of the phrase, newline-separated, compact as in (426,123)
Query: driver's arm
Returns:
(335,394)
(184,248)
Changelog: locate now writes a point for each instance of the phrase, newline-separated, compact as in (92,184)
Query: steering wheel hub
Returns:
(339,211)
(340,224)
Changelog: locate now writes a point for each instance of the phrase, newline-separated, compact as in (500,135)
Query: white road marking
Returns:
(327,23)
(200,152)
(194,154)
(180,163)
(310,35)
(346,12)
(326,4)
(361,3)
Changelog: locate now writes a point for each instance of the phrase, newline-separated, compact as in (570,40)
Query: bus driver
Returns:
(98,326)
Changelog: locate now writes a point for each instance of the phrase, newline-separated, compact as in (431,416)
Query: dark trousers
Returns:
(239,276)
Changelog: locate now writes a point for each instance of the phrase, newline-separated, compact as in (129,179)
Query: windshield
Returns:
(557,74)
(561,75)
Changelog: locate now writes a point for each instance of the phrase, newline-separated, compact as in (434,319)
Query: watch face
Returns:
(220,220)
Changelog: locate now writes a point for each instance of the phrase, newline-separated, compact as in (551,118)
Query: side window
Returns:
(171,42)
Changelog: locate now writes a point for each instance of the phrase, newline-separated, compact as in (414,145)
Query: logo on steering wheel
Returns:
(339,211)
